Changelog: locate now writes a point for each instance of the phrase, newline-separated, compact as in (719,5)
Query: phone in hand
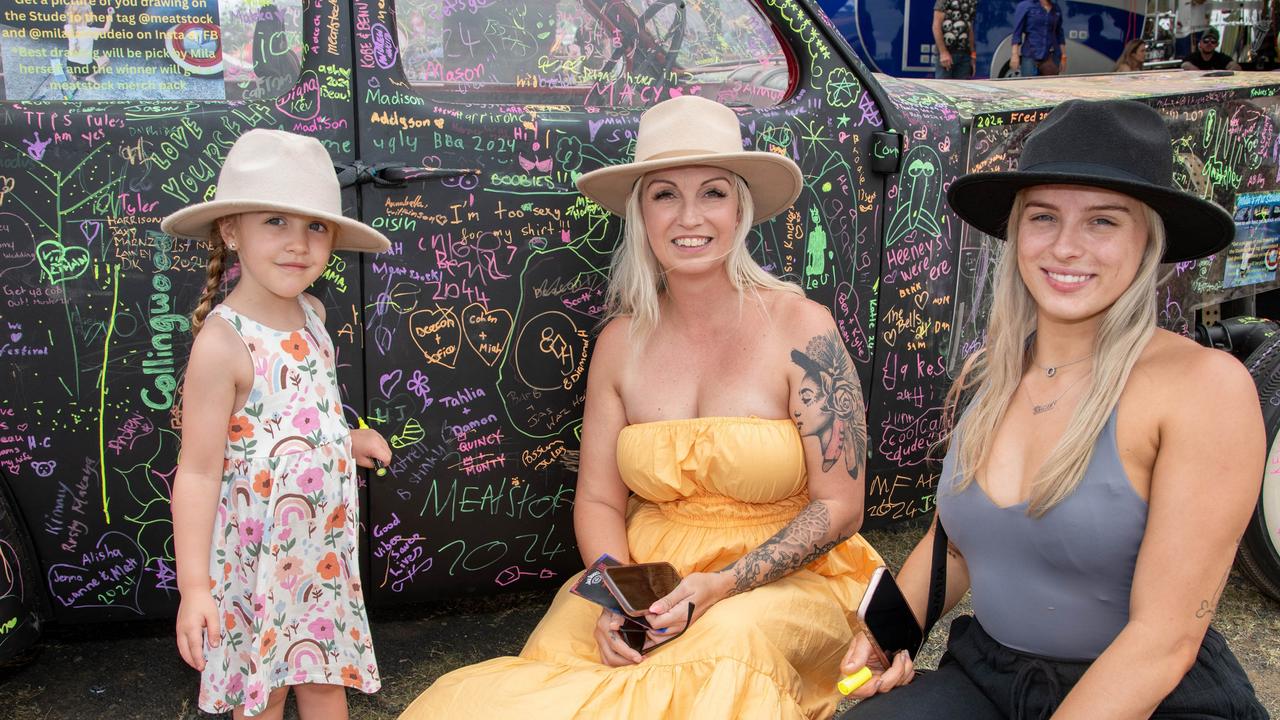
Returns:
(640,585)
(890,621)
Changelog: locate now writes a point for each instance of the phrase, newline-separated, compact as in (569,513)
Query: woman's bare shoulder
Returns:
(1176,370)
(800,317)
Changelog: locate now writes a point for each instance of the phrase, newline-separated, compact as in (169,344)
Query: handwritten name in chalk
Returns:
(135,427)
(395,119)
(493,438)
(463,397)
(162,323)
(543,455)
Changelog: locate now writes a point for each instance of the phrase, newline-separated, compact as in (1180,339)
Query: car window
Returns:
(592,52)
(150,50)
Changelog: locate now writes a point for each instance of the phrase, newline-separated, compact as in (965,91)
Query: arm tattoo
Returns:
(802,541)
(828,403)
(1209,607)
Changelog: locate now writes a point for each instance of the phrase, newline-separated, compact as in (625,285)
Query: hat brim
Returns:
(1194,228)
(774,180)
(197,221)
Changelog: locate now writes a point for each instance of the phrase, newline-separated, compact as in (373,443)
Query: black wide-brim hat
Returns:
(1118,145)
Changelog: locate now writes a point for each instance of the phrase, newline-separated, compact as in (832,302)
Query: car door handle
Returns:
(393,174)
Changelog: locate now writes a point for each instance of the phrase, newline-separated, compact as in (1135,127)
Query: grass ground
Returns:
(124,672)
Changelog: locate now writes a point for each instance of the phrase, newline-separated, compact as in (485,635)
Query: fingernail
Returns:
(661,630)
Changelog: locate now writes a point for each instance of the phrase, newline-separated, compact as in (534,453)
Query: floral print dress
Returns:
(283,567)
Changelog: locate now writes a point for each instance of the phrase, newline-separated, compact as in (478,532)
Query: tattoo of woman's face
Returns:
(828,402)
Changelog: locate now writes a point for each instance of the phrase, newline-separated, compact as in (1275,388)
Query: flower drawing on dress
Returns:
(255,695)
(337,519)
(311,480)
(351,676)
(288,572)
(321,629)
(262,483)
(239,428)
(296,346)
(268,642)
(328,567)
(307,420)
(250,533)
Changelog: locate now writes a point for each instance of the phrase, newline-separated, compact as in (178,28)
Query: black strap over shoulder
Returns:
(937,577)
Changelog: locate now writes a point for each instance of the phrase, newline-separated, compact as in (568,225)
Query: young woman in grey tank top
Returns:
(1094,531)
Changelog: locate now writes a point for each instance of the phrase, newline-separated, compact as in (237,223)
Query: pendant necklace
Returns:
(1037,409)
(1053,369)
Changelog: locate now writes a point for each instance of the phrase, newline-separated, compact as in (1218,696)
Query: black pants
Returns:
(980,678)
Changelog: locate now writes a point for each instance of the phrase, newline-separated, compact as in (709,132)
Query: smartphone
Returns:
(638,586)
(888,618)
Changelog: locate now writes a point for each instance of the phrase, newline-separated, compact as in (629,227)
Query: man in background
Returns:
(1205,55)
(953,34)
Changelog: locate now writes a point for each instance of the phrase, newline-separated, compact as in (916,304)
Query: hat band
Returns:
(688,152)
(1087,170)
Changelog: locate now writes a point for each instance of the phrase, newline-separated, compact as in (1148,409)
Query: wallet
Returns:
(629,590)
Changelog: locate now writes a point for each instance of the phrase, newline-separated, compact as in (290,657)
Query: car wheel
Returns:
(20,618)
(1259,557)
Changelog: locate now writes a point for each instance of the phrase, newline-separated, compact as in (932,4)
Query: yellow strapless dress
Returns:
(707,491)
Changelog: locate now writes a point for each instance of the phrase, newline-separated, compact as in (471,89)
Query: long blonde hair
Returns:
(994,373)
(636,281)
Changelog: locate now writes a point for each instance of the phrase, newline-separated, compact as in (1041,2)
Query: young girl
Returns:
(264,502)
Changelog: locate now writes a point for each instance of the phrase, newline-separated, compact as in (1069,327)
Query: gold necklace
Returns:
(1037,409)
(1052,370)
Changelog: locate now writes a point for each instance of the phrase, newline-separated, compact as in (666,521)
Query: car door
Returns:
(111,121)
(475,120)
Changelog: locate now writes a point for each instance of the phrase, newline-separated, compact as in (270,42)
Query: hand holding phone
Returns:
(641,585)
(891,623)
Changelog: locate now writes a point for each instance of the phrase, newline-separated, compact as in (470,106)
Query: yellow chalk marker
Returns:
(854,681)
(378,468)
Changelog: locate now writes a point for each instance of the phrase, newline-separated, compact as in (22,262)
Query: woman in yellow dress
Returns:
(724,433)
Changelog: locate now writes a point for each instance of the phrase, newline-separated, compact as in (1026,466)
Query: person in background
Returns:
(82,62)
(1133,57)
(1079,504)
(953,34)
(1206,55)
(1039,44)
(1191,20)
(724,433)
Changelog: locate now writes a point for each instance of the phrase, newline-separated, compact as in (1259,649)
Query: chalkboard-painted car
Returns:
(459,127)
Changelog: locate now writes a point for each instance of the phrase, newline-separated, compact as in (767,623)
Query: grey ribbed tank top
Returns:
(1057,585)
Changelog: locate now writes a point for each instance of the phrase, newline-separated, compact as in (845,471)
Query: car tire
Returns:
(20,587)
(1259,556)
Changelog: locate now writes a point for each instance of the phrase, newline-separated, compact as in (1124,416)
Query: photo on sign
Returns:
(148,49)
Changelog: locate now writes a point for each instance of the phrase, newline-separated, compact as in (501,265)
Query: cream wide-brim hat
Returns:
(277,171)
(692,130)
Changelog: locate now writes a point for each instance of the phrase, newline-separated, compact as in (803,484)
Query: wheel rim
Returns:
(1270,504)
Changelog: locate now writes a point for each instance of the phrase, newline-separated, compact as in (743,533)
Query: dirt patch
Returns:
(133,671)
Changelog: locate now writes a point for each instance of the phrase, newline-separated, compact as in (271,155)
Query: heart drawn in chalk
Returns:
(61,263)
(438,335)
(486,331)
(388,382)
(108,575)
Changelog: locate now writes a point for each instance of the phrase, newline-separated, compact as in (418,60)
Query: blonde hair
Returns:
(219,258)
(995,372)
(1126,60)
(636,281)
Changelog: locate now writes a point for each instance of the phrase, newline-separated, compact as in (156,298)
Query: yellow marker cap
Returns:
(854,681)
